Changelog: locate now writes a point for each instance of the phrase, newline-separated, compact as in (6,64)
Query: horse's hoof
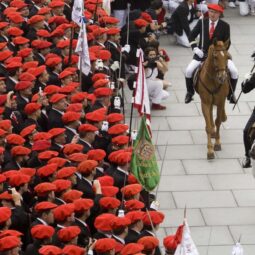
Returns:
(210,155)
(217,147)
(213,135)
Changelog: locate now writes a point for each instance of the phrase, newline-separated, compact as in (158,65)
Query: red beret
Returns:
(146,16)
(10,232)
(5,213)
(42,231)
(27,77)
(9,242)
(2,150)
(118,129)
(113,31)
(44,206)
(47,170)
(44,10)
(77,157)
(57,131)
(41,44)
(62,185)
(140,23)
(71,195)
(56,4)
(95,116)
(46,155)
(68,233)
(57,32)
(30,108)
(65,172)
(19,40)
(74,59)
(63,43)
(109,191)
(51,89)
(87,166)
(73,250)
(133,204)
(3,45)
(24,52)
(97,154)
(15,17)
(29,64)
(87,128)
(5,54)
(131,249)
(155,216)
(99,76)
(42,136)
(6,196)
(215,7)
(104,55)
(131,190)
(120,140)
(36,18)
(68,117)
(3,24)
(15,31)
(63,211)
(59,161)
(41,145)
(103,92)
(77,107)
(71,148)
(106,180)
(20,151)
(56,98)
(109,202)
(149,243)
(103,222)
(135,216)
(43,33)
(50,250)
(15,139)
(44,188)
(28,171)
(82,204)
(104,245)
(170,243)
(23,85)
(114,117)
(109,20)
(5,124)
(51,62)
(99,31)
(120,222)
(67,89)
(64,74)
(37,71)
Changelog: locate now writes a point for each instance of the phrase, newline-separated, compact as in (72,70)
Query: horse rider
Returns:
(208,29)
(247,86)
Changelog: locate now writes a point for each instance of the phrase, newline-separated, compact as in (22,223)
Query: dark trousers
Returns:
(246,139)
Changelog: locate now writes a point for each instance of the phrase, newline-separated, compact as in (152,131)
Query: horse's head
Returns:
(219,57)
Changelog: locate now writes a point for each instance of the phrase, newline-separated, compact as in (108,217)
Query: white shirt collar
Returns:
(215,23)
(82,222)
(121,170)
(72,129)
(42,221)
(120,239)
(57,110)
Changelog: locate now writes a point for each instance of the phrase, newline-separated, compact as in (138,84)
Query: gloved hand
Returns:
(198,52)
(126,48)
(115,65)
(105,126)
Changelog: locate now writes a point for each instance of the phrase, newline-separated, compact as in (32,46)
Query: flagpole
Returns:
(128,6)
(82,24)
(70,46)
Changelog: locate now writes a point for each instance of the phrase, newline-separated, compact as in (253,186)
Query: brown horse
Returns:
(213,88)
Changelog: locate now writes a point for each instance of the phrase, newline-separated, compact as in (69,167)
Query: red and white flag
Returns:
(141,95)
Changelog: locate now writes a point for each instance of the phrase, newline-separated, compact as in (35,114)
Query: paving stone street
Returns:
(219,194)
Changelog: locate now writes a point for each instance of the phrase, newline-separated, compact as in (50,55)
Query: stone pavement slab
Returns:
(246,232)
(205,199)
(244,197)
(171,167)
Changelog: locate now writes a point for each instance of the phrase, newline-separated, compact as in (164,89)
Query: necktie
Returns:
(211,30)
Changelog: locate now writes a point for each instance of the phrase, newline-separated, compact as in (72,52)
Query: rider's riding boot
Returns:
(231,94)
(190,90)
(246,162)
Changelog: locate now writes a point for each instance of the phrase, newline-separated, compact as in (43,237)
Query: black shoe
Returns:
(246,162)
(232,99)
(188,98)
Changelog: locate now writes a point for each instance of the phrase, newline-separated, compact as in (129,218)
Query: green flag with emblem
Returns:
(144,164)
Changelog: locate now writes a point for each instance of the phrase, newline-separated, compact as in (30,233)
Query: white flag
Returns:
(187,246)
(141,95)
(82,50)
(77,12)
(237,249)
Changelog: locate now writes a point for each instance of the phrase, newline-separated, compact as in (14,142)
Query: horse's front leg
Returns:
(218,121)
(206,109)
